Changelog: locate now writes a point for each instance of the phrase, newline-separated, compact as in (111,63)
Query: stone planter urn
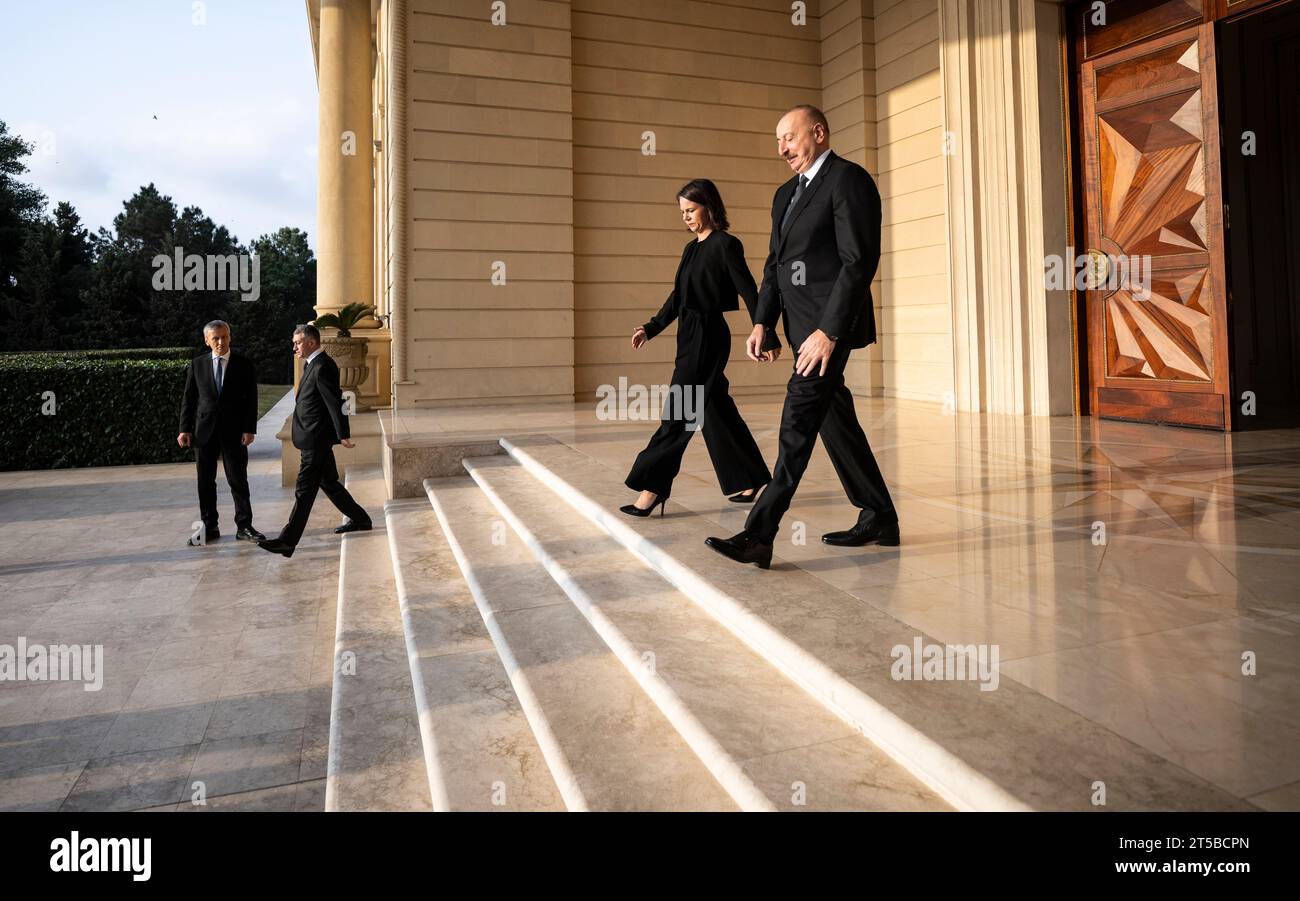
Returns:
(350,355)
(347,352)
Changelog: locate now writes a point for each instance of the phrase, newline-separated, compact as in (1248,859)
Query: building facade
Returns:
(499,179)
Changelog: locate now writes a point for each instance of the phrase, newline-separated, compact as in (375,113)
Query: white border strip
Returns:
(336,726)
(437,786)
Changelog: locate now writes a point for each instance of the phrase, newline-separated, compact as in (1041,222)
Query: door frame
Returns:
(1164,400)
(1085,310)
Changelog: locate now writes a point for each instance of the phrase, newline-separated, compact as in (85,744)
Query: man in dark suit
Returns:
(823,253)
(319,423)
(219,419)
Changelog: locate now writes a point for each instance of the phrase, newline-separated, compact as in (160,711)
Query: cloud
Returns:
(219,117)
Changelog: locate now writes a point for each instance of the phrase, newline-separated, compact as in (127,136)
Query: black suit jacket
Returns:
(232,414)
(834,230)
(717,274)
(318,417)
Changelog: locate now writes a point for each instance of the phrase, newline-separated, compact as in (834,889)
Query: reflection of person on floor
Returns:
(823,253)
(219,419)
(712,272)
(319,423)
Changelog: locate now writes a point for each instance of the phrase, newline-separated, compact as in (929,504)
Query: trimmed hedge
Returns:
(138,353)
(107,408)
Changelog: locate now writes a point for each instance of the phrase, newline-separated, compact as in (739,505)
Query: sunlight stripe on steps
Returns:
(715,758)
(934,765)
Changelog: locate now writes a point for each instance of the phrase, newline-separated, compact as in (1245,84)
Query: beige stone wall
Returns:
(914,311)
(491,179)
(710,80)
(526,146)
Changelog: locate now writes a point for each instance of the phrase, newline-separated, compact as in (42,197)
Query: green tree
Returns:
(21,205)
(177,317)
(45,311)
(119,306)
(263,328)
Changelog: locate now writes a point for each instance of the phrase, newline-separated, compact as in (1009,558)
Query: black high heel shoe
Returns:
(634,510)
(744,498)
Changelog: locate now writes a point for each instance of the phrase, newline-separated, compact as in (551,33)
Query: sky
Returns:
(234,101)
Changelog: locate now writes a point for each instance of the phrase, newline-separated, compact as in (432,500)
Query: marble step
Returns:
(1011,748)
(375,760)
(478,750)
(763,737)
(607,745)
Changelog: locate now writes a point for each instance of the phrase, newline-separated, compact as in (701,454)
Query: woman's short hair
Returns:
(705,193)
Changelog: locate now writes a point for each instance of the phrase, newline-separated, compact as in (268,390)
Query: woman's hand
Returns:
(639,337)
(754,346)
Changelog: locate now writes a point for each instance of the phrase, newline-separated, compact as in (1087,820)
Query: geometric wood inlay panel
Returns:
(1168,334)
(1152,204)
(1153,176)
(1170,64)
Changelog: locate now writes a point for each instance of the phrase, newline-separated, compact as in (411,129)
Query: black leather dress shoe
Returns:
(248,533)
(276,546)
(870,532)
(350,526)
(743,548)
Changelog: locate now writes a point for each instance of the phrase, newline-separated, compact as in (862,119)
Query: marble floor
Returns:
(217,660)
(1146,577)
(1143,577)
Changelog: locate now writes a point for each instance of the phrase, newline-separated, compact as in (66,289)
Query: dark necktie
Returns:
(220,363)
(798,192)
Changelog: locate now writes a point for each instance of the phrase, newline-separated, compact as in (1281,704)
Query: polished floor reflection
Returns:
(217,662)
(1143,577)
(1139,583)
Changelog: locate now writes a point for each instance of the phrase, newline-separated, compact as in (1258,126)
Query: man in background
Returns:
(319,423)
(219,419)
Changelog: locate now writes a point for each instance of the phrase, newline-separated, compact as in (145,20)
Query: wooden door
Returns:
(1151,185)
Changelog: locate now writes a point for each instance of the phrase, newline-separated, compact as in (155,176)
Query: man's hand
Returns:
(346,443)
(639,337)
(816,349)
(183,439)
(247,438)
(754,346)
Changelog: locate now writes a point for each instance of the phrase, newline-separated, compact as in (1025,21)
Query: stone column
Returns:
(344,188)
(1008,205)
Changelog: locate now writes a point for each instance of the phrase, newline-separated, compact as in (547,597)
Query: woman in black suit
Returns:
(711,273)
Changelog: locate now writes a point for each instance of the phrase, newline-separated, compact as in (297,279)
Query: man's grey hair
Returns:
(815,117)
(308,331)
(216,324)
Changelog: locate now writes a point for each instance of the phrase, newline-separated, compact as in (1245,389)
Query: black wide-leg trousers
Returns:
(821,404)
(318,472)
(234,460)
(703,346)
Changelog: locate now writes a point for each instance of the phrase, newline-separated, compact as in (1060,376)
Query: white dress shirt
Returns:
(222,362)
(817,164)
